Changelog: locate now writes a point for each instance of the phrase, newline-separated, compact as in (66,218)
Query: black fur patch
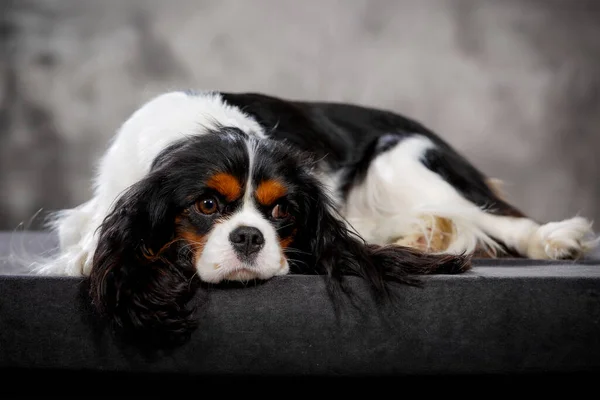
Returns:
(467,180)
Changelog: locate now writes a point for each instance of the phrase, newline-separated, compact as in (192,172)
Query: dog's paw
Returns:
(564,240)
(432,234)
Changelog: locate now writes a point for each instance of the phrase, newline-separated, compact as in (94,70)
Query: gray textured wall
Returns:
(515,85)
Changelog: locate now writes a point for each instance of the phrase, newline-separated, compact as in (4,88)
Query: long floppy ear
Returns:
(139,280)
(340,251)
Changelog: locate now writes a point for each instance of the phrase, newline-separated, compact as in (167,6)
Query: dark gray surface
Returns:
(507,318)
(287,326)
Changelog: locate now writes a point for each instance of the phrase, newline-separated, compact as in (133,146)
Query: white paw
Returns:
(568,239)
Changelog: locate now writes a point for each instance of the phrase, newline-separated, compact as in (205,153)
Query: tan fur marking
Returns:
(270,191)
(226,184)
(285,242)
(495,186)
(439,236)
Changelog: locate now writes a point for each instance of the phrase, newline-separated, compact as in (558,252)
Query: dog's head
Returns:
(224,206)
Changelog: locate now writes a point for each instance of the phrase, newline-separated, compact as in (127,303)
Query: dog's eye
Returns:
(207,205)
(280,211)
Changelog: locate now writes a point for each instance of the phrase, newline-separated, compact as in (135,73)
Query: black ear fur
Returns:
(132,281)
(339,251)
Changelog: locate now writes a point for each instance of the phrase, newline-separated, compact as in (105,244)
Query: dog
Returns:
(246,186)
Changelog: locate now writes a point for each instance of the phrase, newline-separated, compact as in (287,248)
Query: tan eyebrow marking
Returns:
(226,184)
(270,191)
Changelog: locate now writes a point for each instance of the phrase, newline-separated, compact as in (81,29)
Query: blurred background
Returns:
(514,84)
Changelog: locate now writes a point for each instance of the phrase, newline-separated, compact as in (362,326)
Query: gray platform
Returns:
(504,316)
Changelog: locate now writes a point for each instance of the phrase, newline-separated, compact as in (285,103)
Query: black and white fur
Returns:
(348,168)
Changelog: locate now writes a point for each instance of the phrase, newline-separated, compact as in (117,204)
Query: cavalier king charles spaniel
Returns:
(241,187)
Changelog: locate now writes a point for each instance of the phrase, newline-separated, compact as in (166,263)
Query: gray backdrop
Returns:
(515,85)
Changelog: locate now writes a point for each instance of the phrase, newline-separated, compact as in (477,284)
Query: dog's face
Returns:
(239,207)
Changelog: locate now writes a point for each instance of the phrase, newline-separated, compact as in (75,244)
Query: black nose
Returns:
(246,240)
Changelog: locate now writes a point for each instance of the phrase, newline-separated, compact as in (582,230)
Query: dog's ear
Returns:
(338,250)
(138,279)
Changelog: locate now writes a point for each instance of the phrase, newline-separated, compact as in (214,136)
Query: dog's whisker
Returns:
(285,226)
(192,279)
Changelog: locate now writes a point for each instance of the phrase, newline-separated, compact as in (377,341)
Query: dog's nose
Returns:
(246,240)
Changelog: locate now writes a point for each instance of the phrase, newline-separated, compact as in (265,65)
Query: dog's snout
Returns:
(247,240)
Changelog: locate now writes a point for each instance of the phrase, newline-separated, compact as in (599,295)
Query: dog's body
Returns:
(393,180)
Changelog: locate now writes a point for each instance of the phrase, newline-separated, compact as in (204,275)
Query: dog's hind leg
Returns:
(425,195)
